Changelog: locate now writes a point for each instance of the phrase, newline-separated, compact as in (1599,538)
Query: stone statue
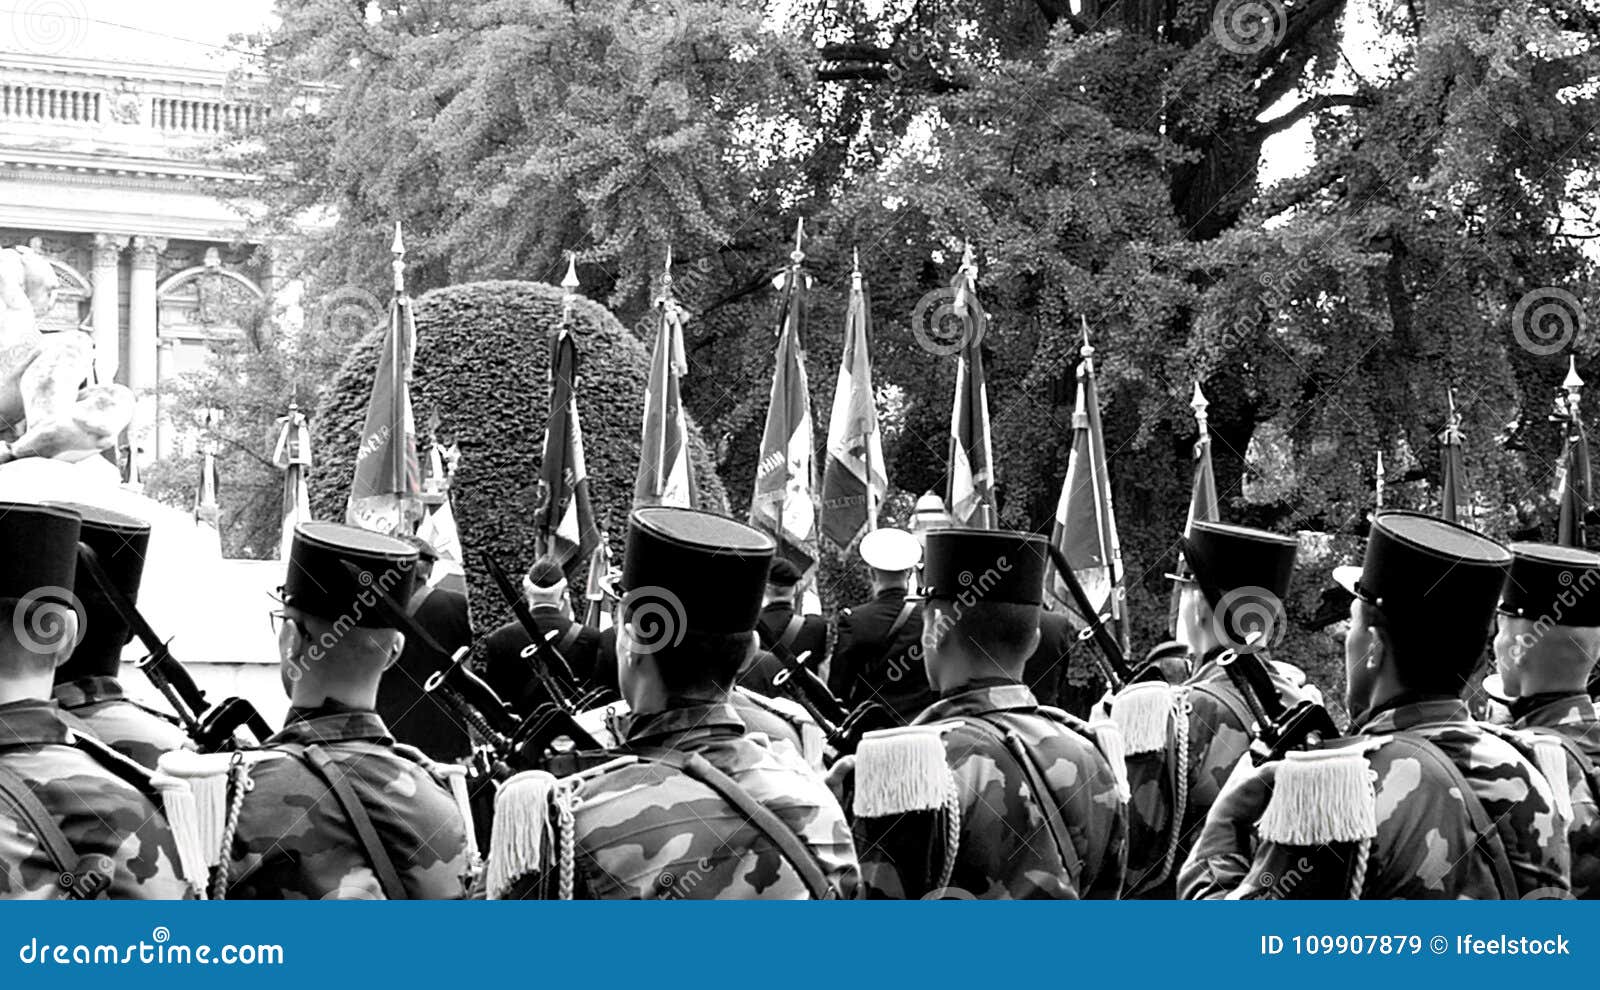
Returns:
(47,406)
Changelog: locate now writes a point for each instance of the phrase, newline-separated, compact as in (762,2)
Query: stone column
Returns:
(141,367)
(104,307)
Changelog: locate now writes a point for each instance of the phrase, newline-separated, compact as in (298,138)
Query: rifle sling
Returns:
(1499,859)
(321,765)
(568,638)
(38,820)
(1036,783)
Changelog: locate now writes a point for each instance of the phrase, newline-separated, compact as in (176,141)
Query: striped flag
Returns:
(292,456)
(1202,496)
(566,519)
(970,471)
(1572,488)
(1453,475)
(854,480)
(1085,527)
(782,501)
(664,477)
(386,493)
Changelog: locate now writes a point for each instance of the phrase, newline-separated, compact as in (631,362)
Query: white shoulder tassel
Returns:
(1552,758)
(1142,712)
(178,803)
(521,829)
(194,792)
(900,771)
(1321,796)
(1109,737)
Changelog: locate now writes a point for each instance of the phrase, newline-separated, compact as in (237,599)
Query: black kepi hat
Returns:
(1226,558)
(120,543)
(988,565)
(41,551)
(318,582)
(692,570)
(1554,584)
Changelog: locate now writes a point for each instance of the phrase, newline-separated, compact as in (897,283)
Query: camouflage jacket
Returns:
(1006,846)
(114,826)
(294,841)
(645,831)
(128,727)
(1219,733)
(1425,844)
(1574,717)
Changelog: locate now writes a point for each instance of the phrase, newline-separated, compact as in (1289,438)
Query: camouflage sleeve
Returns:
(1216,742)
(1107,882)
(1583,835)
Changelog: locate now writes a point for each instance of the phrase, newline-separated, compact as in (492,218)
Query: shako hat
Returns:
(41,551)
(120,543)
(1557,584)
(988,565)
(1226,558)
(318,582)
(695,569)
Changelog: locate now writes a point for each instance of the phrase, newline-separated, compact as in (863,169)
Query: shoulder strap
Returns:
(757,814)
(130,772)
(317,760)
(1504,878)
(1034,777)
(791,632)
(1228,700)
(900,620)
(15,792)
(564,645)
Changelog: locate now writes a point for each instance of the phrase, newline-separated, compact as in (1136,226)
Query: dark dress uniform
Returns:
(877,655)
(412,716)
(511,674)
(1046,670)
(811,636)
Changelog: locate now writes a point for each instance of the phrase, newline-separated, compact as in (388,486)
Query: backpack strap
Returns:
(14,791)
(1034,778)
(762,818)
(317,760)
(1500,860)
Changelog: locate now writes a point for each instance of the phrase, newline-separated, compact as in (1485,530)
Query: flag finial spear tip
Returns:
(798,254)
(1087,349)
(570,283)
(399,245)
(855,260)
(1572,382)
(1198,402)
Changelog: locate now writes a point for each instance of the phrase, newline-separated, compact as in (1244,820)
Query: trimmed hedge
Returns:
(483,355)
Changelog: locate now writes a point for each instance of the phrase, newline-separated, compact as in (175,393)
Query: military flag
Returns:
(595,588)
(386,492)
(854,480)
(782,501)
(1202,495)
(1085,527)
(566,518)
(970,469)
(1453,475)
(1572,475)
(664,475)
(292,456)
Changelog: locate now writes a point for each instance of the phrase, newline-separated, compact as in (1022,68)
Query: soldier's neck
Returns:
(25,687)
(363,696)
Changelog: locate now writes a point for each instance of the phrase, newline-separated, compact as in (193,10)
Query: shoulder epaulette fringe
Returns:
(454,776)
(1108,736)
(194,793)
(521,828)
(900,771)
(1143,712)
(1321,796)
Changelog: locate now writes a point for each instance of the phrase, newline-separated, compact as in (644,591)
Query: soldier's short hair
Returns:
(703,659)
(546,572)
(1002,631)
(1427,663)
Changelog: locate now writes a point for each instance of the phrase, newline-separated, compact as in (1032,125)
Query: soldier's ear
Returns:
(1380,648)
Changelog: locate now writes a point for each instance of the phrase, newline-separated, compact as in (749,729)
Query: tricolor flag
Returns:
(566,519)
(1453,474)
(970,471)
(664,476)
(292,456)
(386,492)
(782,502)
(1086,528)
(1572,476)
(1202,496)
(854,480)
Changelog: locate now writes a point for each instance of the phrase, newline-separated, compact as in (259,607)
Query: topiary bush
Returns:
(483,356)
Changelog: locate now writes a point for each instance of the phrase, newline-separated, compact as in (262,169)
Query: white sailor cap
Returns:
(890,550)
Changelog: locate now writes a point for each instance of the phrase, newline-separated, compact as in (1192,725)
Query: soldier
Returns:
(693,806)
(875,655)
(987,793)
(1183,741)
(335,809)
(508,670)
(87,685)
(1548,641)
(414,717)
(77,819)
(783,630)
(1420,802)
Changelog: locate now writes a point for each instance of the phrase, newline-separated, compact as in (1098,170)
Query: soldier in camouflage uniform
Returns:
(1421,802)
(988,793)
(1182,742)
(694,806)
(336,809)
(1548,641)
(77,820)
(87,685)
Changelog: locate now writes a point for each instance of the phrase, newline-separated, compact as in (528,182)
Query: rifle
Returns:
(1113,665)
(211,727)
(1281,728)
(549,666)
(843,727)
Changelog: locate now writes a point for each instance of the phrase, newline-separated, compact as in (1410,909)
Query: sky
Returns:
(186,33)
